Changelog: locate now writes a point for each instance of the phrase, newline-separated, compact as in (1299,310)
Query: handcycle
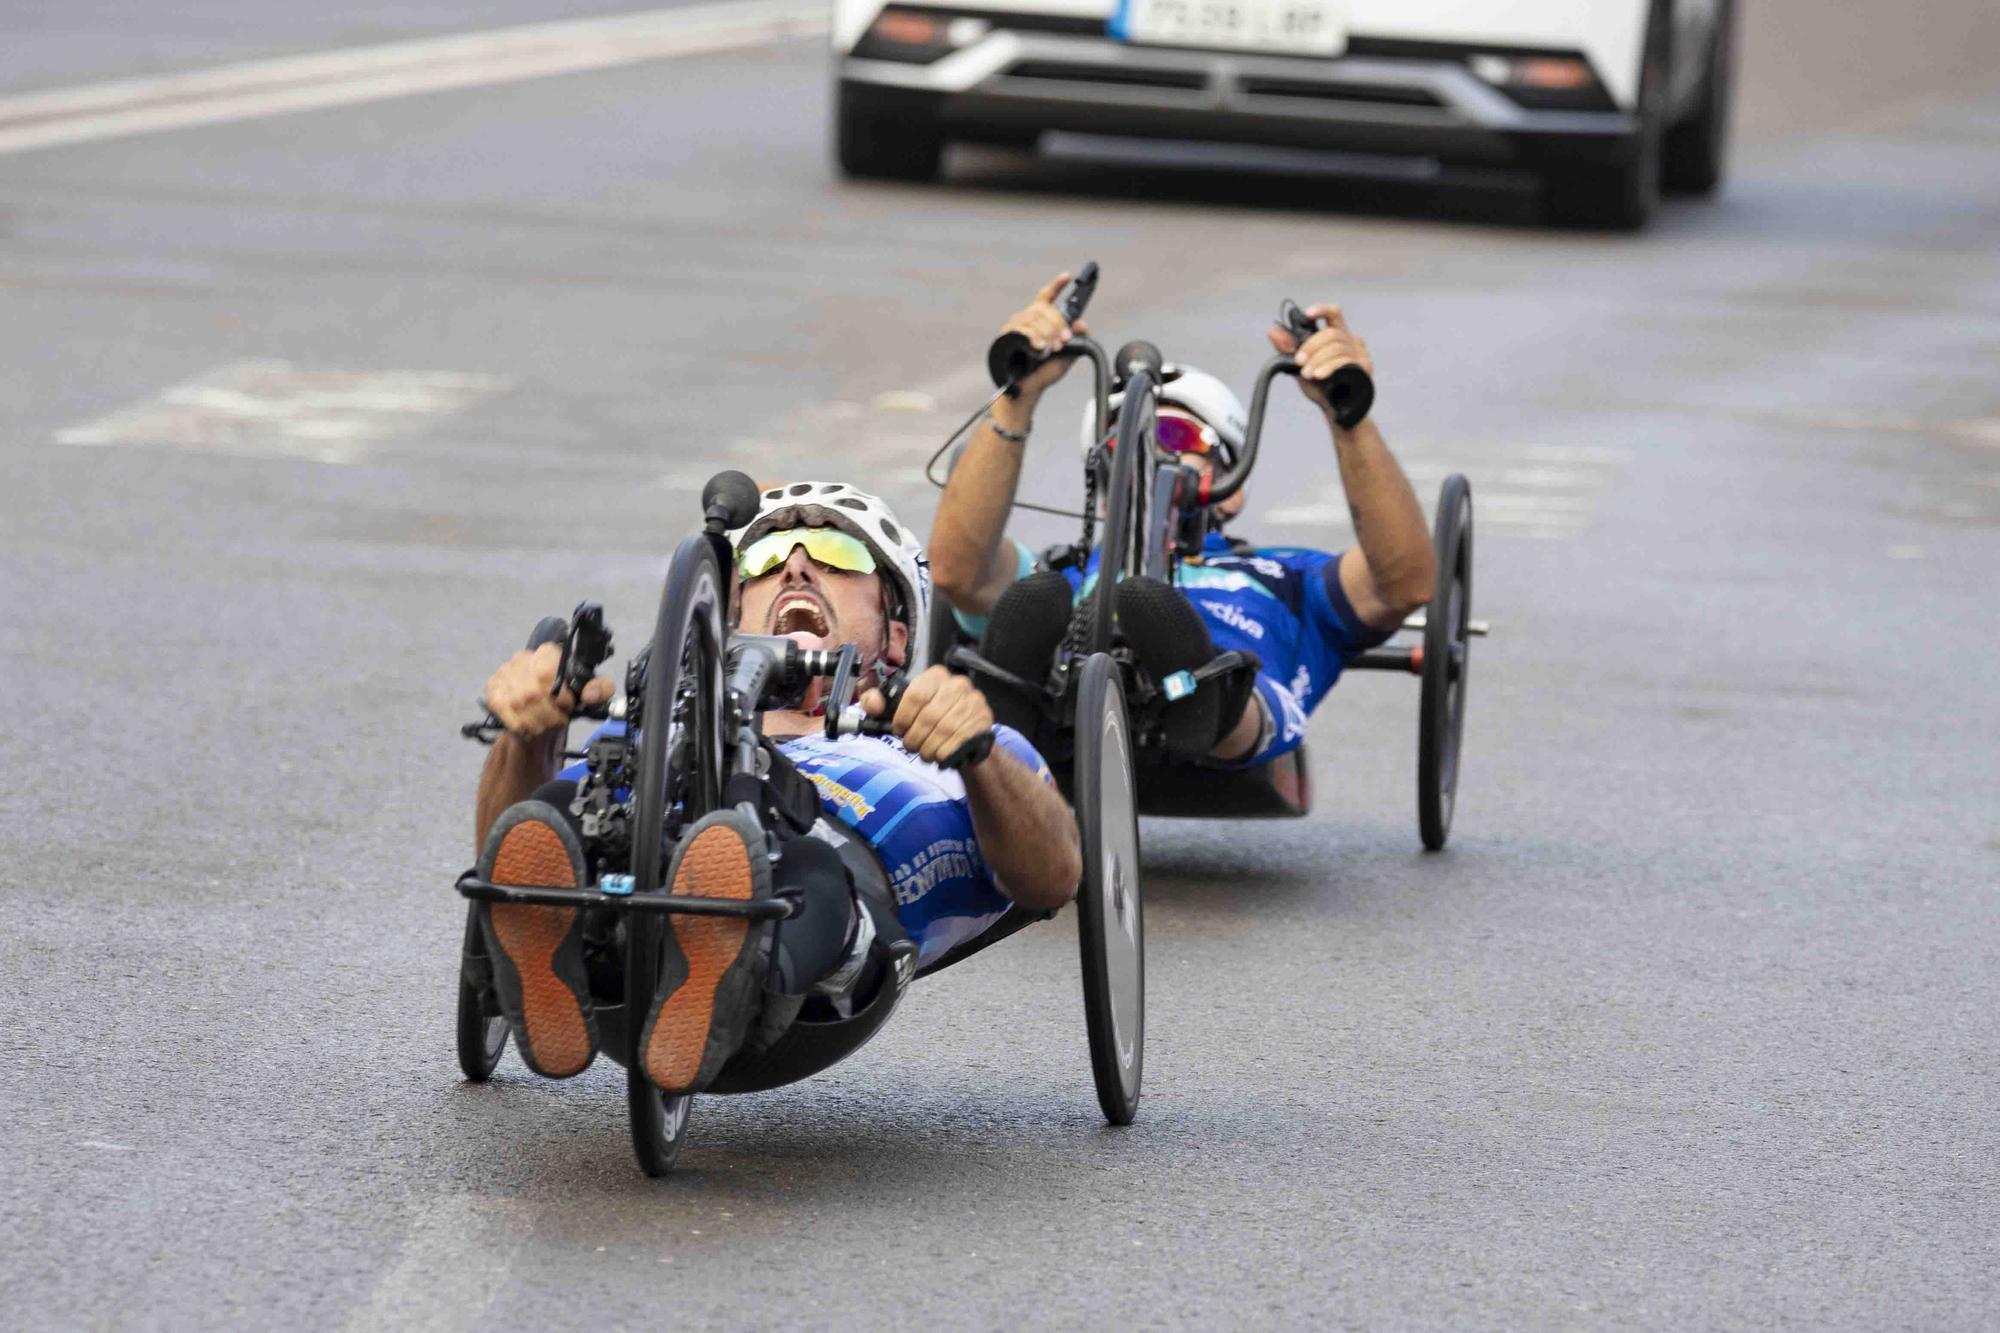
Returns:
(1155,512)
(684,741)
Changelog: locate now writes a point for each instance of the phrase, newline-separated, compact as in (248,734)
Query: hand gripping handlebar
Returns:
(845,716)
(1012,357)
(1349,390)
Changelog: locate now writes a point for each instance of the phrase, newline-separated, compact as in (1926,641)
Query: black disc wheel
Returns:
(1110,917)
(482,1028)
(1447,644)
(1120,553)
(679,769)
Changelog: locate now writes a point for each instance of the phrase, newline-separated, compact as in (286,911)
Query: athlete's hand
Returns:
(521,693)
(1326,351)
(937,714)
(1041,322)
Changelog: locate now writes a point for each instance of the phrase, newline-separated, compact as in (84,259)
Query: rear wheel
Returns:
(1697,148)
(879,136)
(1447,639)
(680,764)
(482,1028)
(1110,919)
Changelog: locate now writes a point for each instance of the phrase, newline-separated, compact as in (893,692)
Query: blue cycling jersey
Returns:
(913,815)
(1283,603)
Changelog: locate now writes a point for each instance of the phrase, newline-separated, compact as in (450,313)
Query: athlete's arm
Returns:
(1025,829)
(530,751)
(1390,570)
(970,562)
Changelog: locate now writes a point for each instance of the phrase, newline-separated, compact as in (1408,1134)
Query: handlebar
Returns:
(1349,390)
(1013,358)
(586,642)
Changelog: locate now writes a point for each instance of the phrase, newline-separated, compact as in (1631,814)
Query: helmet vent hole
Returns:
(889,531)
(802,488)
(851,504)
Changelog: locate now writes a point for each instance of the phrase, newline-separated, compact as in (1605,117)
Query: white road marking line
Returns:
(395,69)
(1544,491)
(453,1262)
(271,408)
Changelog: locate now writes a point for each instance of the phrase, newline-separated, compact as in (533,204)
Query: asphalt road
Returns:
(1692,1026)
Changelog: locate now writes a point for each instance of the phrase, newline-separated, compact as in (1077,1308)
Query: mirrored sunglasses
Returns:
(829,547)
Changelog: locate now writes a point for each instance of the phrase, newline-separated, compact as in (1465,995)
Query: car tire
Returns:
(879,137)
(1697,149)
(1621,196)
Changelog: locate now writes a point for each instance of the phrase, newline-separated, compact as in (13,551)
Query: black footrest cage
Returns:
(758,909)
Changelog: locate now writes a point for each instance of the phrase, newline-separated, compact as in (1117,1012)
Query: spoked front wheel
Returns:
(482,1028)
(1110,919)
(679,766)
(1447,645)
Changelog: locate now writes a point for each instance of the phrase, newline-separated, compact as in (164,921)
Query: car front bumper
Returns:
(1009,86)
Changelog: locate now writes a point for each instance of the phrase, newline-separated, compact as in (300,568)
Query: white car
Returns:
(1607,100)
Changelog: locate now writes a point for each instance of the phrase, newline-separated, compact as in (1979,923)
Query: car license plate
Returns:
(1287,27)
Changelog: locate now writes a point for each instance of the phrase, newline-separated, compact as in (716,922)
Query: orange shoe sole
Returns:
(556,1039)
(716,864)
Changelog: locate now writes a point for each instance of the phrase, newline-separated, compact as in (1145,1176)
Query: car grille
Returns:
(1123,76)
(1314,91)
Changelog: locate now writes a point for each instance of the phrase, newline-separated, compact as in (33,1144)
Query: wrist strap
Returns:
(1012,437)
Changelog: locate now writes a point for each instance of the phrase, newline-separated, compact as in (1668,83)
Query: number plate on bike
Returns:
(1281,27)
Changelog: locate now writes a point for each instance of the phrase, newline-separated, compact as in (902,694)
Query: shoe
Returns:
(1023,632)
(537,951)
(1167,635)
(712,977)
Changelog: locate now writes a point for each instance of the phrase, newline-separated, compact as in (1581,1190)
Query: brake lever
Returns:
(1012,358)
(1349,391)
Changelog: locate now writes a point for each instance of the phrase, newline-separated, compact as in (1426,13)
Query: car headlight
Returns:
(918,36)
(1544,82)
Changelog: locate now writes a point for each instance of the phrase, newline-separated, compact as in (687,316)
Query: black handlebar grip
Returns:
(1350,391)
(731,499)
(1012,357)
(1135,356)
(549,629)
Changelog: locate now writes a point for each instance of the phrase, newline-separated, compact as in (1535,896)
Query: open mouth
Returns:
(801,614)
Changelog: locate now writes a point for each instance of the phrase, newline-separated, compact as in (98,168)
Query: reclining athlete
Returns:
(905,861)
(1305,614)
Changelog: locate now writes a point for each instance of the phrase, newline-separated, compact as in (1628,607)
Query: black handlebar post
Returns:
(1013,358)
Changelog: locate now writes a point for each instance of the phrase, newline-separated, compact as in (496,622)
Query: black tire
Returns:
(1447,644)
(659,1123)
(1697,149)
(1119,556)
(683,695)
(1621,196)
(878,137)
(1110,910)
(482,1028)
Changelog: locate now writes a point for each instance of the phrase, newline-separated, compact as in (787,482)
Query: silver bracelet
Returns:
(1011,437)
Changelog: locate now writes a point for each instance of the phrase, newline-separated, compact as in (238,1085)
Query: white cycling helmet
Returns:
(899,556)
(1197,393)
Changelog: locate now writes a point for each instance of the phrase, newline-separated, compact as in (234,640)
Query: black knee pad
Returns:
(809,946)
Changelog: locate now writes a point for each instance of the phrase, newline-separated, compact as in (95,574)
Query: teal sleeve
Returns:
(1024,565)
